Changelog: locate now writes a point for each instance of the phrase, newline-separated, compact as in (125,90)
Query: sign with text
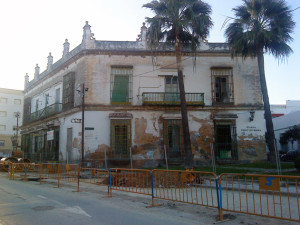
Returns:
(269,183)
(50,135)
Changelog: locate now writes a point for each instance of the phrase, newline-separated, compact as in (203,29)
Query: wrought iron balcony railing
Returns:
(169,98)
(43,113)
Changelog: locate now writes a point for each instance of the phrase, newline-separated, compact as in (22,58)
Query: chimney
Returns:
(66,48)
(88,40)
(143,35)
(50,61)
(36,71)
(26,79)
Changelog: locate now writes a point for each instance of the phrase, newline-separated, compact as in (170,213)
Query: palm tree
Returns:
(180,22)
(262,26)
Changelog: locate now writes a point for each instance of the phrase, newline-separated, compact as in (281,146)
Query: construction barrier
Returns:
(261,195)
(131,180)
(199,188)
(94,176)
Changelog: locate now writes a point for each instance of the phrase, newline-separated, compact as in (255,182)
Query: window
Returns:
(3,100)
(120,137)
(36,105)
(57,95)
(2,143)
(121,85)
(2,127)
(46,100)
(171,89)
(173,139)
(225,140)
(17,101)
(222,85)
(3,113)
(14,128)
(68,91)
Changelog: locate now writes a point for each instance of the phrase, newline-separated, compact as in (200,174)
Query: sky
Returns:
(33,28)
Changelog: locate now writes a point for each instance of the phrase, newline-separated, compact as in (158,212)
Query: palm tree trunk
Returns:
(270,137)
(188,156)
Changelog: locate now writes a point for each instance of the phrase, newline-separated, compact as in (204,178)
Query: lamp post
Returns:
(17,115)
(82,91)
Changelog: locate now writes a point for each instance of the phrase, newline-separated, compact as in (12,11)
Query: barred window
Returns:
(225,140)
(121,85)
(120,137)
(222,85)
(173,138)
(68,90)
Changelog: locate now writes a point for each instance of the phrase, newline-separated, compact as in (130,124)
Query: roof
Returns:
(287,120)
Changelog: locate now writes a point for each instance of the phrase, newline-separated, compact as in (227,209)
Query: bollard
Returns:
(220,207)
(40,167)
(109,185)
(57,175)
(13,171)
(152,188)
(78,180)
(25,176)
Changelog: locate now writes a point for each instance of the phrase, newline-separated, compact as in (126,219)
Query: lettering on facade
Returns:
(249,130)
(75,120)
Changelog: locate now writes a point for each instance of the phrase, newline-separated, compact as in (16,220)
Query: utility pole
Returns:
(82,122)
(17,115)
(82,126)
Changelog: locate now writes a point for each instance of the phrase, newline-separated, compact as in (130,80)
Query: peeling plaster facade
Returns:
(228,90)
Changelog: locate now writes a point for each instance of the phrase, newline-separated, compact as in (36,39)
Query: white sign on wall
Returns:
(50,135)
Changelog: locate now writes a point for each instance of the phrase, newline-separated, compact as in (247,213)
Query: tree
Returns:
(180,22)
(292,134)
(262,26)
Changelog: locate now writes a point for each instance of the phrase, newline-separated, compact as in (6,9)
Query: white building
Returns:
(283,109)
(11,107)
(284,123)
(132,102)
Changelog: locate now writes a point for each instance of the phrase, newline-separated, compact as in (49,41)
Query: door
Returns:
(120,89)
(171,90)
(69,144)
(57,100)
(173,138)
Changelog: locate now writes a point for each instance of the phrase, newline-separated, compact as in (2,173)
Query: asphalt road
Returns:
(31,203)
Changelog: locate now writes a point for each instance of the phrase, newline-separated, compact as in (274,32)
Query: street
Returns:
(31,203)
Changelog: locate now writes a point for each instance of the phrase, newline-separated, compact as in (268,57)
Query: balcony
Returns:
(43,113)
(168,98)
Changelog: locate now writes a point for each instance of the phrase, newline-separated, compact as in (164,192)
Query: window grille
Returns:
(120,137)
(121,85)
(173,139)
(225,140)
(222,86)
(2,143)
(68,91)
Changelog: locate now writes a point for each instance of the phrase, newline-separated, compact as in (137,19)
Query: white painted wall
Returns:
(282,124)
(10,108)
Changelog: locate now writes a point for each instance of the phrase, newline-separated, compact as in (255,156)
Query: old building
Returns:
(11,108)
(132,104)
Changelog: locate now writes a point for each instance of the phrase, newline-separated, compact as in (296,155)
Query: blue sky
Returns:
(33,28)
